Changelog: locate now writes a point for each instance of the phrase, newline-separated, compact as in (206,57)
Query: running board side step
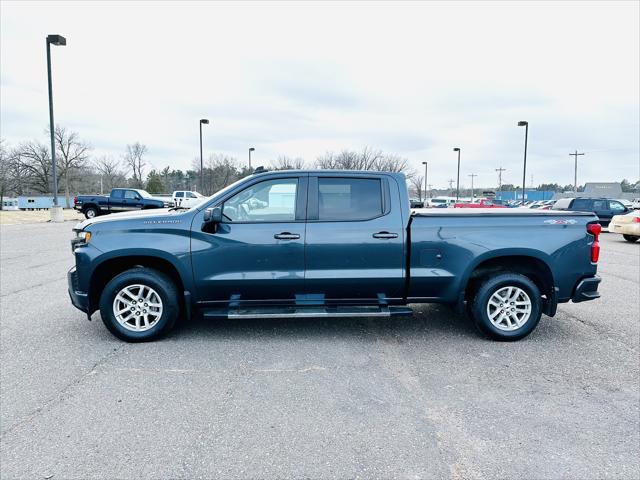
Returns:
(307,312)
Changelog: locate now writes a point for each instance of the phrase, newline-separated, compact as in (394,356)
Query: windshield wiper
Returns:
(179,208)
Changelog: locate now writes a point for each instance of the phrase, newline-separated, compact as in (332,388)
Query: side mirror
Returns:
(213,215)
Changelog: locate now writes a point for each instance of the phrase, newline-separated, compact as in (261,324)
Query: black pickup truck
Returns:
(119,200)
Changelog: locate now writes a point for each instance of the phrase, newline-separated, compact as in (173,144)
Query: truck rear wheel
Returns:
(506,307)
(140,304)
(90,212)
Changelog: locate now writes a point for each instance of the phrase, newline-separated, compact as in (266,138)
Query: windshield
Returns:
(204,199)
(143,193)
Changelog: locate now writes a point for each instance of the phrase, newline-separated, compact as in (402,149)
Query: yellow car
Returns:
(628,225)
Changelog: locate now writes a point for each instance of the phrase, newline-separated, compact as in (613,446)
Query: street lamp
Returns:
(425,179)
(524,124)
(250,150)
(205,122)
(56,213)
(458,178)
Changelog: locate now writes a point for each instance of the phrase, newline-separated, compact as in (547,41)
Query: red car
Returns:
(482,203)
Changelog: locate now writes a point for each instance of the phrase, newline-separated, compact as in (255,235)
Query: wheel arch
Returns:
(533,266)
(109,268)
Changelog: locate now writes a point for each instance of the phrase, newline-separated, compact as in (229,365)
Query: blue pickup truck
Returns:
(323,243)
(119,200)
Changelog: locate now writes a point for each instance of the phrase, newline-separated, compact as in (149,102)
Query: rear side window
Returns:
(349,198)
(116,194)
(582,205)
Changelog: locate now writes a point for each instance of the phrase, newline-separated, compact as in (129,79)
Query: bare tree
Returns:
(134,161)
(219,171)
(6,160)
(368,159)
(287,163)
(72,155)
(110,173)
(33,164)
(417,182)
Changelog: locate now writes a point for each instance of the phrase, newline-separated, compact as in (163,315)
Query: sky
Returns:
(301,79)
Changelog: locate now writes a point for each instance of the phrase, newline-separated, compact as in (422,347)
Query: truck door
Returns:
(256,255)
(355,238)
(115,200)
(131,201)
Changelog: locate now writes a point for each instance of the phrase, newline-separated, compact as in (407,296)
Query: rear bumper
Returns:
(587,289)
(79,299)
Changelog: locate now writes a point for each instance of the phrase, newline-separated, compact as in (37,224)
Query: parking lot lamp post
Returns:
(524,124)
(206,122)
(425,179)
(458,177)
(250,150)
(56,213)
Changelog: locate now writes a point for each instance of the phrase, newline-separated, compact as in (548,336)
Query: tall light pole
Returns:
(250,150)
(205,122)
(56,214)
(458,177)
(500,170)
(472,175)
(575,172)
(425,179)
(524,124)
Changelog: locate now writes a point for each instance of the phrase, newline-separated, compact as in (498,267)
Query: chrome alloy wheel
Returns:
(91,213)
(509,308)
(137,307)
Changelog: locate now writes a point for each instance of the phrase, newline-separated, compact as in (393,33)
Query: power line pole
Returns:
(451,180)
(472,175)
(575,172)
(500,170)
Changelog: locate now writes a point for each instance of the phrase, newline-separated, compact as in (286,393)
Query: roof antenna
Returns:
(260,169)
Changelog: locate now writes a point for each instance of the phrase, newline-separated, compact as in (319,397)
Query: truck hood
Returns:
(135,215)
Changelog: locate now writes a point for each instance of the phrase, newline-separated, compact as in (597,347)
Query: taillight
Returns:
(595,229)
(636,219)
(75,200)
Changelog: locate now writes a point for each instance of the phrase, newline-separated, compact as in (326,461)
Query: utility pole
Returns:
(472,175)
(500,170)
(575,172)
(451,180)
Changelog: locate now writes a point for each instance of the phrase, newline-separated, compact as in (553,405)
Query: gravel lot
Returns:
(421,397)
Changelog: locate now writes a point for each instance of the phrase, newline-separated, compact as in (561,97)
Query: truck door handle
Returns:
(385,235)
(286,236)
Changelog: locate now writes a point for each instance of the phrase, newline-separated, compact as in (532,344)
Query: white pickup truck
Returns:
(185,198)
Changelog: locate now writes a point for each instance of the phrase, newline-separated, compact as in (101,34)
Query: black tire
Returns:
(91,212)
(166,290)
(478,305)
(630,238)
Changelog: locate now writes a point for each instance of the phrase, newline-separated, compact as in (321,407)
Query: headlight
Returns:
(81,238)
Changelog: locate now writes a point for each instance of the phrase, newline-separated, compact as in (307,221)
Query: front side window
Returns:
(349,198)
(131,195)
(268,201)
(190,195)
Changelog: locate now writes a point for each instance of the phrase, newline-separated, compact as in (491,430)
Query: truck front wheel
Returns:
(506,307)
(140,304)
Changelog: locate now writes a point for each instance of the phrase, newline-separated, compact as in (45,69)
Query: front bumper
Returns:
(587,289)
(79,299)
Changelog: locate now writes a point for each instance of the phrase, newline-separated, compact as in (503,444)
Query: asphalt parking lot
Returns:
(421,397)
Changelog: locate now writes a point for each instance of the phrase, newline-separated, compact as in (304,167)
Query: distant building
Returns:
(600,189)
(39,202)
(532,195)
